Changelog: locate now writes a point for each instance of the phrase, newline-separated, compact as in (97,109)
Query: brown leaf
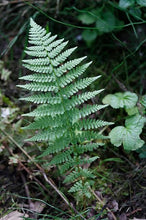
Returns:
(14,216)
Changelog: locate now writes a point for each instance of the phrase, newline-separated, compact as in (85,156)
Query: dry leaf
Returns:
(14,216)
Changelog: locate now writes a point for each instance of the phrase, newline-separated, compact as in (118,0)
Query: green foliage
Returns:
(127,135)
(60,115)
(106,17)
(143,101)
(121,100)
(126,3)
(141,3)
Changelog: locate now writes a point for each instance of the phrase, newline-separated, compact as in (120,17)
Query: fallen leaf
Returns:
(14,216)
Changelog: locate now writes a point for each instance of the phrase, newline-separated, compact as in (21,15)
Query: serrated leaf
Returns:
(126,3)
(121,100)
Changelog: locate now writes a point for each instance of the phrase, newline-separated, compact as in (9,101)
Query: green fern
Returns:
(60,115)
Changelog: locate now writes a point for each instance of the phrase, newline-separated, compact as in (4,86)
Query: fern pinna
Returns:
(61,117)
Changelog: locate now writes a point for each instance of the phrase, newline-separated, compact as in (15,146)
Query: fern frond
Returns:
(61,157)
(82,189)
(88,147)
(74,175)
(57,146)
(56,86)
(49,134)
(45,122)
(74,162)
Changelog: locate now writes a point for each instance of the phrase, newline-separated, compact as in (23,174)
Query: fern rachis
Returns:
(60,117)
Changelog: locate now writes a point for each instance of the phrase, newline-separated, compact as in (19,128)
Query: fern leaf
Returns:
(38,78)
(73,74)
(48,134)
(57,50)
(79,85)
(44,98)
(88,124)
(47,110)
(82,189)
(68,66)
(61,157)
(43,87)
(73,176)
(59,118)
(57,146)
(45,122)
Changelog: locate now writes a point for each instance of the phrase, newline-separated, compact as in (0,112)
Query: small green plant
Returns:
(105,18)
(61,116)
(127,135)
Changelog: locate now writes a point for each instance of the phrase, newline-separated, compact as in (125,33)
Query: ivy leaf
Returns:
(135,122)
(135,12)
(126,3)
(141,2)
(130,140)
(116,135)
(132,111)
(142,152)
(128,135)
(106,23)
(87,18)
(121,100)
(89,36)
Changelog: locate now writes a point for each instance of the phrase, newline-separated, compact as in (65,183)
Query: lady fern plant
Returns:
(61,118)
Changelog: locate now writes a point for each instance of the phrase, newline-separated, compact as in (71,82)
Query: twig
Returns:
(101,202)
(121,156)
(31,206)
(121,85)
(134,211)
(12,2)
